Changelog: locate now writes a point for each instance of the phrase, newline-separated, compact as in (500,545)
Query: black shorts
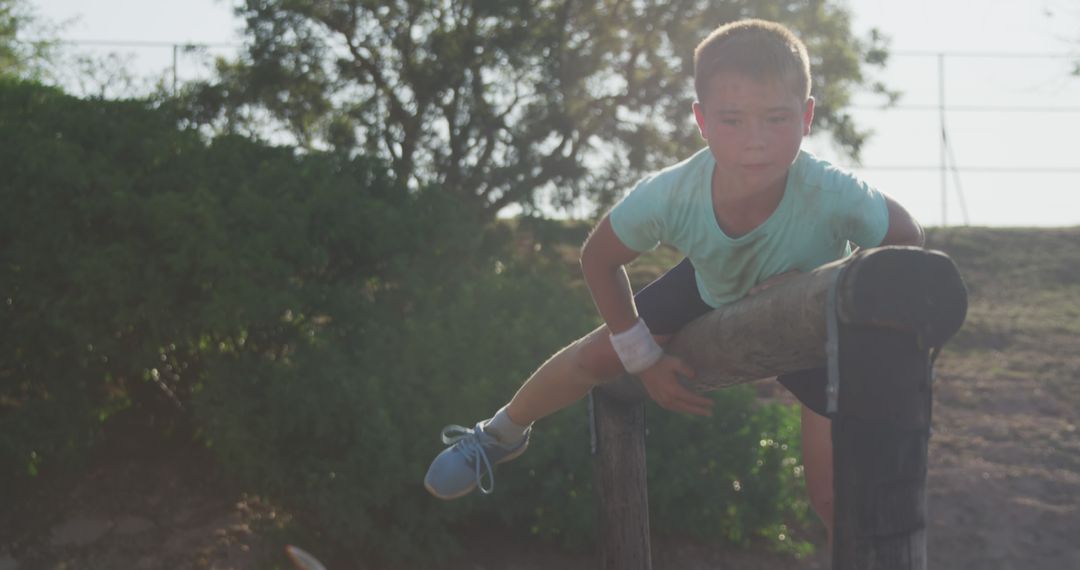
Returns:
(672,301)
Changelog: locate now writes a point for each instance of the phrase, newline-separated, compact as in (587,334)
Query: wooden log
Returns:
(907,297)
(782,329)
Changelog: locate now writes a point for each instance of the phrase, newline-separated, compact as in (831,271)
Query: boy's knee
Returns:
(595,356)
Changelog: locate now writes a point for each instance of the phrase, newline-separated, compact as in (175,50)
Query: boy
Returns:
(746,211)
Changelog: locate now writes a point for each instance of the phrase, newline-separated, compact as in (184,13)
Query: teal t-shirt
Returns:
(823,208)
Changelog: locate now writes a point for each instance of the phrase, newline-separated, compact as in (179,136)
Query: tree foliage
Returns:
(30,49)
(510,101)
(24,58)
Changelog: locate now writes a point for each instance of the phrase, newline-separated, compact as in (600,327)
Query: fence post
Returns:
(618,424)
(880,437)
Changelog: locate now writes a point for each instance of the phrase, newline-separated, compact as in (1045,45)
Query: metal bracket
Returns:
(592,423)
(832,348)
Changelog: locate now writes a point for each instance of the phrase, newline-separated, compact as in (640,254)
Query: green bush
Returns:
(133,253)
(316,324)
(91,299)
(735,476)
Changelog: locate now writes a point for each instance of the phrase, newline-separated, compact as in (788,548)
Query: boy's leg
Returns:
(809,387)
(562,380)
(666,305)
(567,377)
(818,464)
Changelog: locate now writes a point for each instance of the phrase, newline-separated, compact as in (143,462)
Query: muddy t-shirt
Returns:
(822,210)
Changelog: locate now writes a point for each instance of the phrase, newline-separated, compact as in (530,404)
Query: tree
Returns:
(1052,11)
(512,101)
(18,58)
(30,50)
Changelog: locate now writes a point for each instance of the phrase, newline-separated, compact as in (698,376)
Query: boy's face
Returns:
(753,127)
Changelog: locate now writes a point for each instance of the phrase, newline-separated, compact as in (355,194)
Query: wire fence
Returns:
(176,49)
(1061,95)
(931,119)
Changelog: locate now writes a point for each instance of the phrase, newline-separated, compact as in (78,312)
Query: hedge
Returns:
(315,323)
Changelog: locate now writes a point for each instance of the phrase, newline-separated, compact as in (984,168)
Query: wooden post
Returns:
(880,436)
(619,480)
(893,305)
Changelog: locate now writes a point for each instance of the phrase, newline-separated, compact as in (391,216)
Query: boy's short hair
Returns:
(755,48)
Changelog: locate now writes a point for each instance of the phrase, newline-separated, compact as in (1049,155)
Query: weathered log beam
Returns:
(782,329)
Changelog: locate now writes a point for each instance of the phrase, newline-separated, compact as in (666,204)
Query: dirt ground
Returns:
(1003,493)
(141,507)
(1003,483)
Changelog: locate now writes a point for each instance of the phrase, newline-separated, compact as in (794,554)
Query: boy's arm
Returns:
(903,229)
(602,259)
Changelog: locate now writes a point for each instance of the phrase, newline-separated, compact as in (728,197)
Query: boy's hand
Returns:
(662,382)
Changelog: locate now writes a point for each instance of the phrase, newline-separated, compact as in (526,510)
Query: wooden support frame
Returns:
(893,305)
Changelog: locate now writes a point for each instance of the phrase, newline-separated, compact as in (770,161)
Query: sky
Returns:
(1012,126)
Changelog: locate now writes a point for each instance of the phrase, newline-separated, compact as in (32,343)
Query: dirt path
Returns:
(1004,480)
(1004,493)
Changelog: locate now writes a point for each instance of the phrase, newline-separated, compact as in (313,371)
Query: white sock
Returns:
(503,428)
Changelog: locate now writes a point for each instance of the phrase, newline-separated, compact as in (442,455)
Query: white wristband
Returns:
(636,348)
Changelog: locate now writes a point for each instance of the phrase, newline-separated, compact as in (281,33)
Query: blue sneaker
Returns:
(472,454)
